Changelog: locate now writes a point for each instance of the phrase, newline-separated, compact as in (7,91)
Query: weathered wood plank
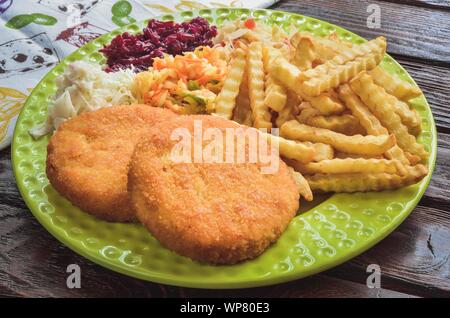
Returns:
(414,257)
(432,4)
(432,79)
(438,190)
(411,30)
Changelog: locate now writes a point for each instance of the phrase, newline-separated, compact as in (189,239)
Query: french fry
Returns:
(376,47)
(397,153)
(339,74)
(321,151)
(323,51)
(352,165)
(243,112)
(292,149)
(360,111)
(304,55)
(393,85)
(413,159)
(369,121)
(285,72)
(255,71)
(286,113)
(325,103)
(276,94)
(363,182)
(302,184)
(306,113)
(345,155)
(345,124)
(358,144)
(226,100)
(410,118)
(378,101)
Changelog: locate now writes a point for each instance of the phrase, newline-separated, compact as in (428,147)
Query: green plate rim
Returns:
(185,281)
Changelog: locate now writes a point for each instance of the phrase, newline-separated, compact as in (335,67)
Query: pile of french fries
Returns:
(345,123)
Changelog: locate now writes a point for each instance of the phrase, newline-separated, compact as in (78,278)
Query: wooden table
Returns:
(415,259)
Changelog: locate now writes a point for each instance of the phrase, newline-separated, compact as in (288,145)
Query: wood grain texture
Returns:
(433,4)
(432,79)
(414,259)
(413,31)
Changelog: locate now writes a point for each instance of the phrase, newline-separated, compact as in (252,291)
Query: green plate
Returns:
(329,233)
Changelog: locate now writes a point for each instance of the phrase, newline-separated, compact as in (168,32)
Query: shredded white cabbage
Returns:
(85,87)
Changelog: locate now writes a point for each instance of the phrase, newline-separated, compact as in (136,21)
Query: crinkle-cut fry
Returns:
(304,55)
(322,151)
(325,103)
(364,182)
(413,159)
(243,112)
(302,184)
(287,113)
(255,71)
(275,93)
(345,124)
(376,46)
(358,144)
(410,118)
(378,101)
(397,153)
(394,85)
(286,73)
(226,100)
(368,120)
(323,52)
(340,74)
(278,34)
(344,155)
(292,149)
(306,113)
(353,165)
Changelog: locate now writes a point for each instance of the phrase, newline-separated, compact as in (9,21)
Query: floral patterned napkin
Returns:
(36,34)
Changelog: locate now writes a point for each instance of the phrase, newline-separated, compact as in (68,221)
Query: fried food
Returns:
(340,74)
(358,144)
(368,120)
(242,112)
(226,100)
(380,103)
(207,211)
(352,165)
(325,103)
(255,71)
(364,182)
(345,124)
(88,157)
(304,55)
(286,73)
(393,85)
(302,184)
(286,114)
(275,94)
(376,46)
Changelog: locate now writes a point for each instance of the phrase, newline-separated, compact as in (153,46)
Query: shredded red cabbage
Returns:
(138,51)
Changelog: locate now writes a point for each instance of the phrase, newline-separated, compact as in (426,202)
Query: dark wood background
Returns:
(415,259)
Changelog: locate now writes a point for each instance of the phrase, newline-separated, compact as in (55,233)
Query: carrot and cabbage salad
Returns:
(187,84)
